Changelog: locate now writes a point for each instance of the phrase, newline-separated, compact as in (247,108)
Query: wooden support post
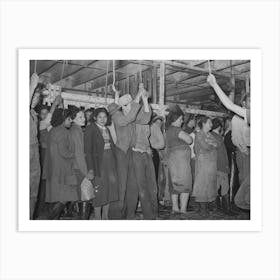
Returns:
(232,92)
(144,79)
(127,85)
(161,83)
(232,82)
(149,82)
(133,86)
(154,78)
(247,84)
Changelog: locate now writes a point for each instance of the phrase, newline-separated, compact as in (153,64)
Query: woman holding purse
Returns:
(101,163)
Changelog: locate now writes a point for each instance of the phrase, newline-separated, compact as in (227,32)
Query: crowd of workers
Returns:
(135,159)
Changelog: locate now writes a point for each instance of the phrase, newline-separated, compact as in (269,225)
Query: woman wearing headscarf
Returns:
(61,181)
(45,115)
(179,155)
(205,189)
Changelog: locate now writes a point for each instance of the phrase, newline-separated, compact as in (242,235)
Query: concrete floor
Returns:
(165,213)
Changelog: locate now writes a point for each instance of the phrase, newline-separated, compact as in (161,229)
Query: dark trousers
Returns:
(41,204)
(116,208)
(242,197)
(141,184)
(156,162)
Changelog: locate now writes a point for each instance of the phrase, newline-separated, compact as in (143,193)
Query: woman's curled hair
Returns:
(59,116)
(100,110)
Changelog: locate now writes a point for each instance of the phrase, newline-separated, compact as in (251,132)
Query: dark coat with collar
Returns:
(61,181)
(94,148)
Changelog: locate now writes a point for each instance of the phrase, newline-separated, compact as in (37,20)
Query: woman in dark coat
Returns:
(61,182)
(100,159)
(80,166)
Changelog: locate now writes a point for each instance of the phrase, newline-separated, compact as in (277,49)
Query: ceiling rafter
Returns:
(48,68)
(217,70)
(101,75)
(75,71)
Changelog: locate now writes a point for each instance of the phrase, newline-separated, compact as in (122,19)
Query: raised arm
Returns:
(224,98)
(146,106)
(138,96)
(46,123)
(144,117)
(117,96)
(123,120)
(58,100)
(33,83)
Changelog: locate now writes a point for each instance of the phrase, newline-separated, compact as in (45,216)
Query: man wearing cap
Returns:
(141,177)
(123,117)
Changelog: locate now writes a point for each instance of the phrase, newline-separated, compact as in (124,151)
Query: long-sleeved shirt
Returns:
(124,126)
(142,131)
(240,134)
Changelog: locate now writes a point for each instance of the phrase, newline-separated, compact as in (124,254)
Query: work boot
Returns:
(191,207)
(56,211)
(226,206)
(219,203)
(84,209)
(68,210)
(204,212)
(33,202)
(212,207)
